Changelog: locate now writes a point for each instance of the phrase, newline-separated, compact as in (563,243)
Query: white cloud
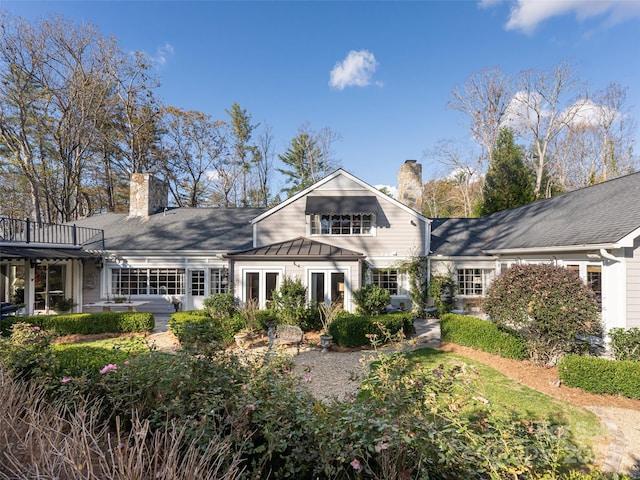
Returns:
(355,70)
(526,15)
(162,52)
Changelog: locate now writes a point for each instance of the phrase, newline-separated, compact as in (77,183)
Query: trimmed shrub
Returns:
(602,376)
(196,329)
(550,306)
(220,305)
(89,323)
(77,360)
(371,299)
(626,343)
(483,335)
(355,331)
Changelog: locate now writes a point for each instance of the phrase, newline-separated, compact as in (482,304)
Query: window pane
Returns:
(219,280)
(253,286)
(387,279)
(357,224)
(272,284)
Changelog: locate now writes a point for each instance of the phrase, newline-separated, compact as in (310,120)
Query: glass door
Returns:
(50,286)
(197,289)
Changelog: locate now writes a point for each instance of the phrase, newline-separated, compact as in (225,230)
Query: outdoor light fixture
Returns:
(99,263)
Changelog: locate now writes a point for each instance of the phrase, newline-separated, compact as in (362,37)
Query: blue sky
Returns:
(388,99)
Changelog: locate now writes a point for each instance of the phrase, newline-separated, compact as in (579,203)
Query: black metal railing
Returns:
(28,231)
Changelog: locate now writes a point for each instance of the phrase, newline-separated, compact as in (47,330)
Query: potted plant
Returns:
(327,314)
(64,305)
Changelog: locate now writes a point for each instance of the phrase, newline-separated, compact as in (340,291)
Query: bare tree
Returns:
(484,98)
(537,116)
(194,145)
(461,172)
(263,161)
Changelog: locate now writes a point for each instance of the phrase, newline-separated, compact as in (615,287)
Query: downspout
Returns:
(605,254)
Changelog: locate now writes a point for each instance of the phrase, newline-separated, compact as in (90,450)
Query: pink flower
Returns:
(244,387)
(307,378)
(355,463)
(65,379)
(127,362)
(108,368)
(35,329)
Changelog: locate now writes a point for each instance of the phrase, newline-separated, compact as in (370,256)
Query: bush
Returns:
(356,331)
(371,299)
(196,329)
(220,305)
(27,352)
(89,323)
(626,343)
(290,304)
(550,306)
(483,335)
(602,376)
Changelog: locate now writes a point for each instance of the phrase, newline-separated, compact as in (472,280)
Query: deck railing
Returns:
(27,231)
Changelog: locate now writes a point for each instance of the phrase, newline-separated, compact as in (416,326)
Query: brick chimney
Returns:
(147,195)
(410,185)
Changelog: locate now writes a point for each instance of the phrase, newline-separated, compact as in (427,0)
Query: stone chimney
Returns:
(147,195)
(410,185)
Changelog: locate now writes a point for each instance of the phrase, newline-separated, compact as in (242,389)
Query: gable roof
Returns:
(603,215)
(327,179)
(178,229)
(300,247)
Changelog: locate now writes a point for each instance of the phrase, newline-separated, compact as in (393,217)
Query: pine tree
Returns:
(509,182)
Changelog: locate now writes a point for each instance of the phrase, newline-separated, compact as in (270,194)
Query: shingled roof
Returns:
(601,214)
(178,229)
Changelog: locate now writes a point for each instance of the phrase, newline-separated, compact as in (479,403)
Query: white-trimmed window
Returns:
(259,285)
(219,280)
(343,224)
(147,281)
(387,279)
(473,282)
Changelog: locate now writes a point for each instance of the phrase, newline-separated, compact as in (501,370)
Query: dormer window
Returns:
(348,224)
(342,215)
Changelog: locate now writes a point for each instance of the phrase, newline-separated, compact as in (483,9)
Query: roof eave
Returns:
(555,249)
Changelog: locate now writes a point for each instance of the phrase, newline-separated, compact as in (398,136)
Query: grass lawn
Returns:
(506,395)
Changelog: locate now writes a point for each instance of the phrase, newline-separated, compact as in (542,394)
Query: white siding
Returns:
(633,286)
(398,233)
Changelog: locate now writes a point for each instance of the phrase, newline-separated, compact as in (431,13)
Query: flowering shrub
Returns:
(549,305)
(27,352)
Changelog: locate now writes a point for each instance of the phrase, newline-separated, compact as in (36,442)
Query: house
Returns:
(594,231)
(335,236)
(332,236)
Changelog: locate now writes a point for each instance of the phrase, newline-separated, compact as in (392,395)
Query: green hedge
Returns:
(79,360)
(352,330)
(86,323)
(481,334)
(196,327)
(602,376)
